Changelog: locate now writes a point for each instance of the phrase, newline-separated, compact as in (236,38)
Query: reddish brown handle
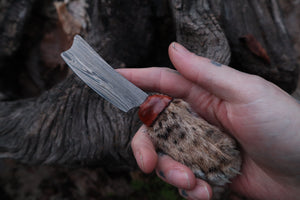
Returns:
(152,107)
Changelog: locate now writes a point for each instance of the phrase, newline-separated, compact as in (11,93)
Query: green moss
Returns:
(152,188)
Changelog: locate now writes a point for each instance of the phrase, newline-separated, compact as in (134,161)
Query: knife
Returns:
(174,128)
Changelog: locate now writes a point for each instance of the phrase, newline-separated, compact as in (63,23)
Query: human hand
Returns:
(260,116)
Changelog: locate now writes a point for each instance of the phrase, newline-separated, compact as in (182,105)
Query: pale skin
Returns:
(259,115)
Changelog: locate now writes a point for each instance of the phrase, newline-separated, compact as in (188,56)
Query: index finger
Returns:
(162,80)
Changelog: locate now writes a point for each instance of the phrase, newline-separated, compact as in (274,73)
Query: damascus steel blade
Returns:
(101,77)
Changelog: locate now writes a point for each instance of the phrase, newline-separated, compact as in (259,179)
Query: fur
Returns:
(210,153)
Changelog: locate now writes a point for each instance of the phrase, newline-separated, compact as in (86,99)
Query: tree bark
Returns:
(198,29)
(13,17)
(69,125)
(263,20)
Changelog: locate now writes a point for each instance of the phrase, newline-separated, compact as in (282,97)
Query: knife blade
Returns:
(101,77)
(174,128)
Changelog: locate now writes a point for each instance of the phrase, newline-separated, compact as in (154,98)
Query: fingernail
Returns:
(143,129)
(173,45)
(161,154)
(141,161)
(161,174)
(179,48)
(176,175)
(215,63)
(184,194)
(200,193)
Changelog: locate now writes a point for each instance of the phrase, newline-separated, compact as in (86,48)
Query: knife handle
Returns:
(176,130)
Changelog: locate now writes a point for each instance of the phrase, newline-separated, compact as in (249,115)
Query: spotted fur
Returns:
(182,134)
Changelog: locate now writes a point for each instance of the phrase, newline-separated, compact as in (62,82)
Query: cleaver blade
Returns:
(101,77)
